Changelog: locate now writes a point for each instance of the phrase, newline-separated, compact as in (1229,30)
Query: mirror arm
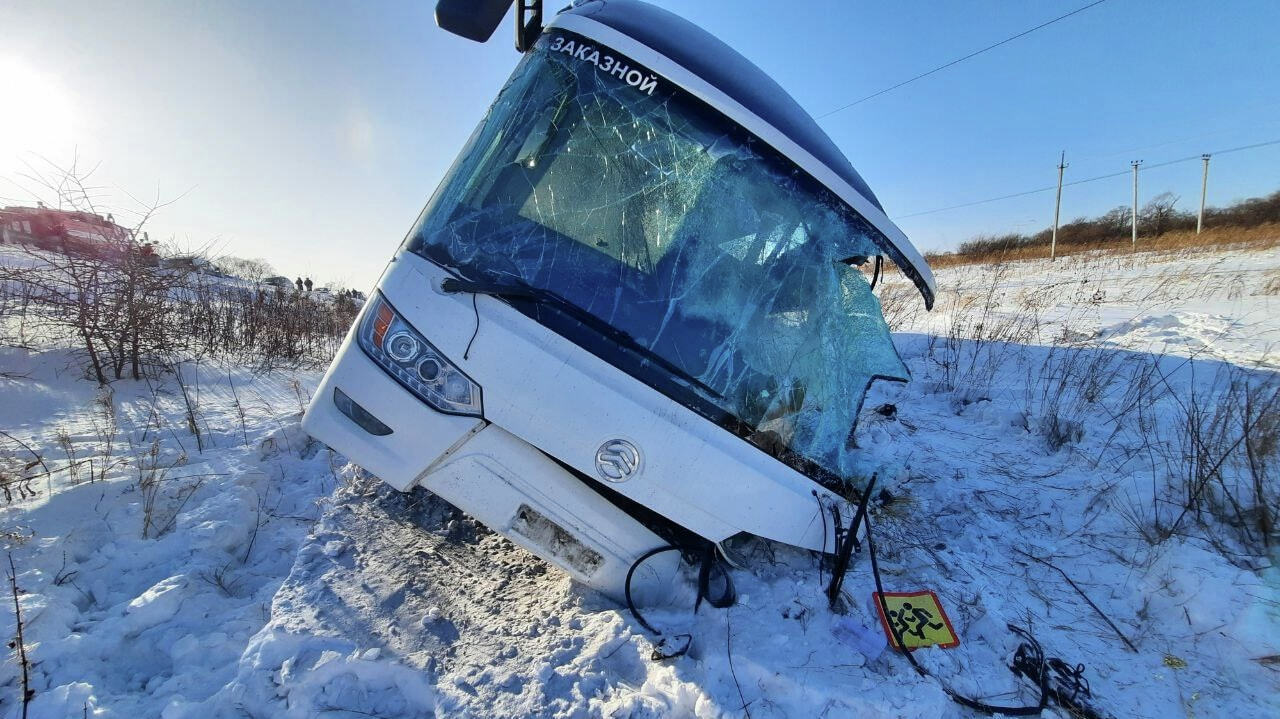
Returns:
(528,23)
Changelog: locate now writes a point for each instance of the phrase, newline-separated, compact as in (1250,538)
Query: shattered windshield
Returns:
(595,180)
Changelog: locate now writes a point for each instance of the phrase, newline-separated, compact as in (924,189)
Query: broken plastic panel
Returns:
(659,216)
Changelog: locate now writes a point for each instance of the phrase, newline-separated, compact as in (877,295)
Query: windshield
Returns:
(594,180)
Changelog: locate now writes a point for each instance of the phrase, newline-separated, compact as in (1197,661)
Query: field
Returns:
(1089,449)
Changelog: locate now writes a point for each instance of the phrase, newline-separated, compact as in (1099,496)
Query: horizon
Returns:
(311,136)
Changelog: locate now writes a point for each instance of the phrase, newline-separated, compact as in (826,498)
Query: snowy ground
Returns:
(275,580)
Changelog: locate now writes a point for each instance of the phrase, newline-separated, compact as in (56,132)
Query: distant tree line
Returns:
(1159,216)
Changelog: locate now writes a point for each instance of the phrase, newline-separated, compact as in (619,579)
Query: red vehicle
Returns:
(80,233)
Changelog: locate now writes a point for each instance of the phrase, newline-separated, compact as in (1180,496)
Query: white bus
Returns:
(633,312)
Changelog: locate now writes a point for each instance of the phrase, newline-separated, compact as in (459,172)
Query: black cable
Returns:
(467,354)
(822,512)
(901,647)
(626,587)
(962,59)
(1166,163)
(1067,684)
(709,563)
(846,543)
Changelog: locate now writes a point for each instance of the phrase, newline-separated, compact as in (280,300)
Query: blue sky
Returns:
(311,133)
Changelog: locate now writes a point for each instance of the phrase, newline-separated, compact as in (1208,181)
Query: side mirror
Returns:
(477,19)
(473,19)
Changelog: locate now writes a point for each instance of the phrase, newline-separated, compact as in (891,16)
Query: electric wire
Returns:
(1088,179)
(957,61)
(626,586)
(710,562)
(822,512)
(900,646)
(1256,110)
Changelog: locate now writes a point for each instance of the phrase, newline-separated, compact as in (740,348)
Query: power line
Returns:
(960,60)
(1188,158)
(1256,110)
(990,199)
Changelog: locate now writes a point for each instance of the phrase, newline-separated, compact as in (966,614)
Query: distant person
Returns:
(298,283)
(308,284)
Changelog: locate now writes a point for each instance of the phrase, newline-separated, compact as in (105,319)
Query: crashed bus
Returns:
(638,311)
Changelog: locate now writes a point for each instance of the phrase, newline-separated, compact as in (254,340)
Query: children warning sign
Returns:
(917,617)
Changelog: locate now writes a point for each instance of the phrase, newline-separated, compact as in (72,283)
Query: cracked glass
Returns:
(732,273)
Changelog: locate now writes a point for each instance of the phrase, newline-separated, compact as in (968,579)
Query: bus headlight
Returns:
(406,355)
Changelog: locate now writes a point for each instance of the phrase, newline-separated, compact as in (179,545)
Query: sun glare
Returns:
(39,116)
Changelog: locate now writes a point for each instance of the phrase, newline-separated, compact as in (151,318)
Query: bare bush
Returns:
(1228,450)
(1213,474)
(1160,215)
(981,335)
(266,329)
(899,303)
(1209,446)
(104,297)
(1271,285)
(191,405)
(127,311)
(254,270)
(15,483)
(105,427)
(17,473)
(221,578)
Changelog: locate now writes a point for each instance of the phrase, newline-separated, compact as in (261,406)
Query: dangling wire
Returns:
(626,587)
(822,512)
(467,353)
(727,559)
(846,543)
(901,646)
(709,563)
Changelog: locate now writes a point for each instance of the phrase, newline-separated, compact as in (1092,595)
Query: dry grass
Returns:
(1262,237)
(1193,457)
(1271,284)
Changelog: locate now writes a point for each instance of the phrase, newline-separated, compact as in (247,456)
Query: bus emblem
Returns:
(617,460)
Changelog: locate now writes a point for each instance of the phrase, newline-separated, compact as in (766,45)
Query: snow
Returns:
(275,579)
(134,623)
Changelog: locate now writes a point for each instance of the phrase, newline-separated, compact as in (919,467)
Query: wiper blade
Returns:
(547,297)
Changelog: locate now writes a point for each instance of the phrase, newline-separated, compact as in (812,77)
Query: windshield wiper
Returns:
(453,285)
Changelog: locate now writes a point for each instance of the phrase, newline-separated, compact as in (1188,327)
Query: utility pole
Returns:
(1057,206)
(1135,164)
(1204,186)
